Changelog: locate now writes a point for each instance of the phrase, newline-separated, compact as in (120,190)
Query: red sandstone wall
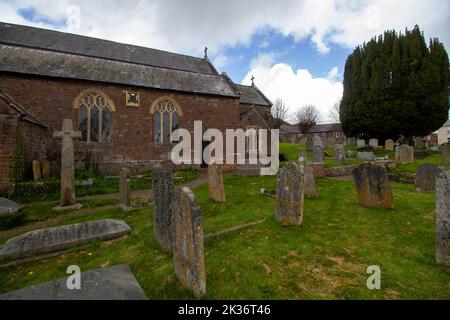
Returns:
(51,100)
(8,125)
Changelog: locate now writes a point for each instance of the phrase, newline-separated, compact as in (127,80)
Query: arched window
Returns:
(94,115)
(166,119)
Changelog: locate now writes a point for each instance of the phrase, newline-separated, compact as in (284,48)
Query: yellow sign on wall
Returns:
(132,99)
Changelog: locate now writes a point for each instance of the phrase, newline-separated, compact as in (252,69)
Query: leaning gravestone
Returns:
(112,283)
(290,194)
(162,201)
(426,177)
(373,142)
(11,213)
(389,144)
(188,247)
(215,183)
(36,170)
(373,186)
(339,153)
(446,154)
(67,165)
(124,189)
(443,217)
(404,154)
(54,239)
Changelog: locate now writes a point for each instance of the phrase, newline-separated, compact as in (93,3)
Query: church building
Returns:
(126,100)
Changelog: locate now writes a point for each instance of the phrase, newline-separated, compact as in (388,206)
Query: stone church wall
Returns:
(132,142)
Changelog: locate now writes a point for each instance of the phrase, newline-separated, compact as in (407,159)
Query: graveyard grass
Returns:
(325,258)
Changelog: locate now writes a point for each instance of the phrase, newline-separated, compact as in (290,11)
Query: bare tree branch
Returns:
(279,113)
(334,113)
(305,117)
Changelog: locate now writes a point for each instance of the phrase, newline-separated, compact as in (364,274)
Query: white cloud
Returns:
(187,26)
(296,88)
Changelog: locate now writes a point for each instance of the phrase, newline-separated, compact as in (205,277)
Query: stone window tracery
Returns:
(166,119)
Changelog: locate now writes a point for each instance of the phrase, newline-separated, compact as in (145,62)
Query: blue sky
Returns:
(296,49)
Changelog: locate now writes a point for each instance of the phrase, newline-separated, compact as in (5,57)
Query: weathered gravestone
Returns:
(215,183)
(162,202)
(112,283)
(188,247)
(404,154)
(310,182)
(59,238)
(11,213)
(67,165)
(443,217)
(360,143)
(389,144)
(317,151)
(426,177)
(339,153)
(290,194)
(36,170)
(445,149)
(419,142)
(124,189)
(45,166)
(373,186)
(366,155)
(373,142)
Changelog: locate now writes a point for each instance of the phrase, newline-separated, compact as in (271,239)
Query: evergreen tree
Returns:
(395,85)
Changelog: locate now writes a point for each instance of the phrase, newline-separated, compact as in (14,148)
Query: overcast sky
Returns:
(295,49)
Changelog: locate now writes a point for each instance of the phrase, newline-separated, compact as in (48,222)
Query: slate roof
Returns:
(252,95)
(24,113)
(42,52)
(326,127)
(37,38)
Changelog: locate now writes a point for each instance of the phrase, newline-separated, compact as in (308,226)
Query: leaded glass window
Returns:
(94,116)
(166,113)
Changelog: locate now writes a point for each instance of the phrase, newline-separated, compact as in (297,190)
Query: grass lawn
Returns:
(325,258)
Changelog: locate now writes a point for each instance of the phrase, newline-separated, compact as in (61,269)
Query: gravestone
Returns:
(405,154)
(290,194)
(318,151)
(188,247)
(360,143)
(443,217)
(372,186)
(426,177)
(389,144)
(59,238)
(445,149)
(339,153)
(124,189)
(366,155)
(45,166)
(310,181)
(36,170)
(373,142)
(112,283)
(67,165)
(11,213)
(419,142)
(215,183)
(162,204)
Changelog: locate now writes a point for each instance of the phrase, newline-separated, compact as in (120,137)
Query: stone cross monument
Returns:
(67,165)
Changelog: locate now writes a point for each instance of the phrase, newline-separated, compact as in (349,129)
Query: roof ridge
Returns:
(124,45)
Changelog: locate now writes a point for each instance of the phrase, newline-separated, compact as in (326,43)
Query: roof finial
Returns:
(253,78)
(206,52)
